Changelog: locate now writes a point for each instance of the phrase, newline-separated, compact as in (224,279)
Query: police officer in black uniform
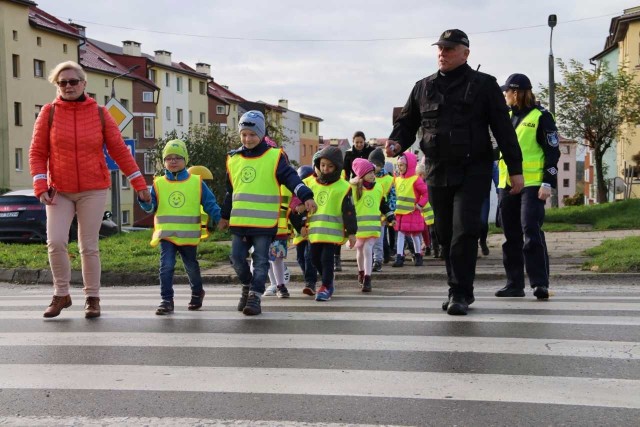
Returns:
(454,108)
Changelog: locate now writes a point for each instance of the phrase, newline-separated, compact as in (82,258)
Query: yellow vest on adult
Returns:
(405,196)
(283,219)
(368,211)
(427,214)
(326,224)
(177,218)
(256,192)
(532,154)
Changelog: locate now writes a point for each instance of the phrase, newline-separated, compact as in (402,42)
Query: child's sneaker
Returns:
(282,291)
(324,293)
(309,289)
(270,291)
(196,301)
(165,307)
(243,297)
(252,308)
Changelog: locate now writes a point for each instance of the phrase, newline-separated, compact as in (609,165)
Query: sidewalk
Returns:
(565,253)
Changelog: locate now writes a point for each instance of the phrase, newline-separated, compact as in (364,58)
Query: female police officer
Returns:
(522,214)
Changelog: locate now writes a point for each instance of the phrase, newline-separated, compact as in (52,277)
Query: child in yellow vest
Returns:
(176,199)
(335,219)
(369,202)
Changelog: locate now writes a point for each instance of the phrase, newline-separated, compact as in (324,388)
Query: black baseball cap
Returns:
(451,38)
(517,82)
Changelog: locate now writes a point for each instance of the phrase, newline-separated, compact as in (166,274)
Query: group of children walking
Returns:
(265,198)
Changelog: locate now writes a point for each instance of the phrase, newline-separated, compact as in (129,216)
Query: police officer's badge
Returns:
(552,139)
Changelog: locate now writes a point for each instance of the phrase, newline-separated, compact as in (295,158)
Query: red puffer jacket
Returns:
(71,151)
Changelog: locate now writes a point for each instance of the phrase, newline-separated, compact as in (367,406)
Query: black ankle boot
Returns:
(243,297)
(337,263)
(399,261)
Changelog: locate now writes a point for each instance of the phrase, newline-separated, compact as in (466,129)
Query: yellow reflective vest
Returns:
(256,192)
(368,211)
(177,218)
(326,224)
(405,196)
(427,214)
(532,153)
(283,219)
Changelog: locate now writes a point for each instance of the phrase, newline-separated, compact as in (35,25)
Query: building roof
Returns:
(219,91)
(620,25)
(310,117)
(41,19)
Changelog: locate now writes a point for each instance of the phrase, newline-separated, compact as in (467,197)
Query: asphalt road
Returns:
(392,357)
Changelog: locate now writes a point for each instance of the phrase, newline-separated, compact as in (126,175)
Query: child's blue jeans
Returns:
(240,246)
(188,254)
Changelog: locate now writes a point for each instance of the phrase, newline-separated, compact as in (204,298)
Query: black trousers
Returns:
(457,222)
(522,216)
(322,259)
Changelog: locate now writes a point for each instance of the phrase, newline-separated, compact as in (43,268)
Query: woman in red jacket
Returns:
(70,177)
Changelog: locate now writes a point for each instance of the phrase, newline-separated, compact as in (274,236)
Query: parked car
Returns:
(24,219)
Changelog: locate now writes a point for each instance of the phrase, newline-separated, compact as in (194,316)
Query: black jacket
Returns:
(547,137)
(455,111)
(351,154)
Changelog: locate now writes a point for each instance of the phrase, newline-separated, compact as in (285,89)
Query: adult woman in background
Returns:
(70,177)
(522,214)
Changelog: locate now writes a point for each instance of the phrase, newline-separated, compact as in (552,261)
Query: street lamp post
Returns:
(115,175)
(552,21)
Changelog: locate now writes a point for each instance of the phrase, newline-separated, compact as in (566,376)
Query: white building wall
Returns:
(174,100)
(291,124)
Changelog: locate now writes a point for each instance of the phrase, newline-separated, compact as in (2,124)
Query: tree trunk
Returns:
(603,192)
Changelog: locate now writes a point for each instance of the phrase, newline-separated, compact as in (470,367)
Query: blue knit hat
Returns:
(254,121)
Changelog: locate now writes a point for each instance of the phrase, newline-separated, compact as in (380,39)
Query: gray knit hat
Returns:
(254,121)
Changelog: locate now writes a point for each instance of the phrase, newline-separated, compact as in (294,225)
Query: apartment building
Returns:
(232,100)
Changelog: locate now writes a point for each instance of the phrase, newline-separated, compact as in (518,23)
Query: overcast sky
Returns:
(320,63)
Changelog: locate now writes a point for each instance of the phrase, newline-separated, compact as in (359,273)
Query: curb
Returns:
(44,277)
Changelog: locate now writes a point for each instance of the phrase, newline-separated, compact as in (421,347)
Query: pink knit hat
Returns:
(361,167)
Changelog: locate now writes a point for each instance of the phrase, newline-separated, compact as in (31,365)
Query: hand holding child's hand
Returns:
(418,207)
(145,195)
(352,241)
(223,224)
(300,208)
(304,232)
(311,206)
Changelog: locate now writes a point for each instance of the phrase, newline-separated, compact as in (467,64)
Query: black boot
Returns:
(243,297)
(252,307)
(541,292)
(436,251)
(510,291)
(419,261)
(337,263)
(457,306)
(484,248)
(366,284)
(399,261)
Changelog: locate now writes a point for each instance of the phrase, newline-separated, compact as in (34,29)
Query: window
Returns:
(304,149)
(126,217)
(18,159)
(203,118)
(149,164)
(17,113)
(38,68)
(15,35)
(167,80)
(565,183)
(106,82)
(106,99)
(223,127)
(39,41)
(167,113)
(147,96)
(304,127)
(190,117)
(152,75)
(16,65)
(220,109)
(565,166)
(38,109)
(202,88)
(125,103)
(124,182)
(179,84)
(64,48)
(179,116)
(149,131)
(190,85)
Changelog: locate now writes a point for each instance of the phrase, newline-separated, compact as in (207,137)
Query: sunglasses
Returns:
(72,82)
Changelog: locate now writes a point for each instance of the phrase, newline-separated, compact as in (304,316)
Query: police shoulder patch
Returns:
(552,138)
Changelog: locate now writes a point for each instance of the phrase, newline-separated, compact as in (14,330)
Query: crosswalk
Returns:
(392,358)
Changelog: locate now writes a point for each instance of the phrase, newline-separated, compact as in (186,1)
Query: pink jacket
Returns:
(413,222)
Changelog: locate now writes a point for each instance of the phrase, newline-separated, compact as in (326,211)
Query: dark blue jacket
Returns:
(285,175)
(208,199)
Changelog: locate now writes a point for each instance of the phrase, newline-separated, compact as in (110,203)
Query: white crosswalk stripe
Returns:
(356,360)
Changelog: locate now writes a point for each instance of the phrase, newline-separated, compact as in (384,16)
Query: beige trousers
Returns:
(89,207)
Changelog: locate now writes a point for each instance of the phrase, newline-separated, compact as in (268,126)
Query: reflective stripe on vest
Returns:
(256,192)
(532,154)
(283,219)
(326,225)
(368,211)
(427,214)
(204,224)
(178,216)
(405,196)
